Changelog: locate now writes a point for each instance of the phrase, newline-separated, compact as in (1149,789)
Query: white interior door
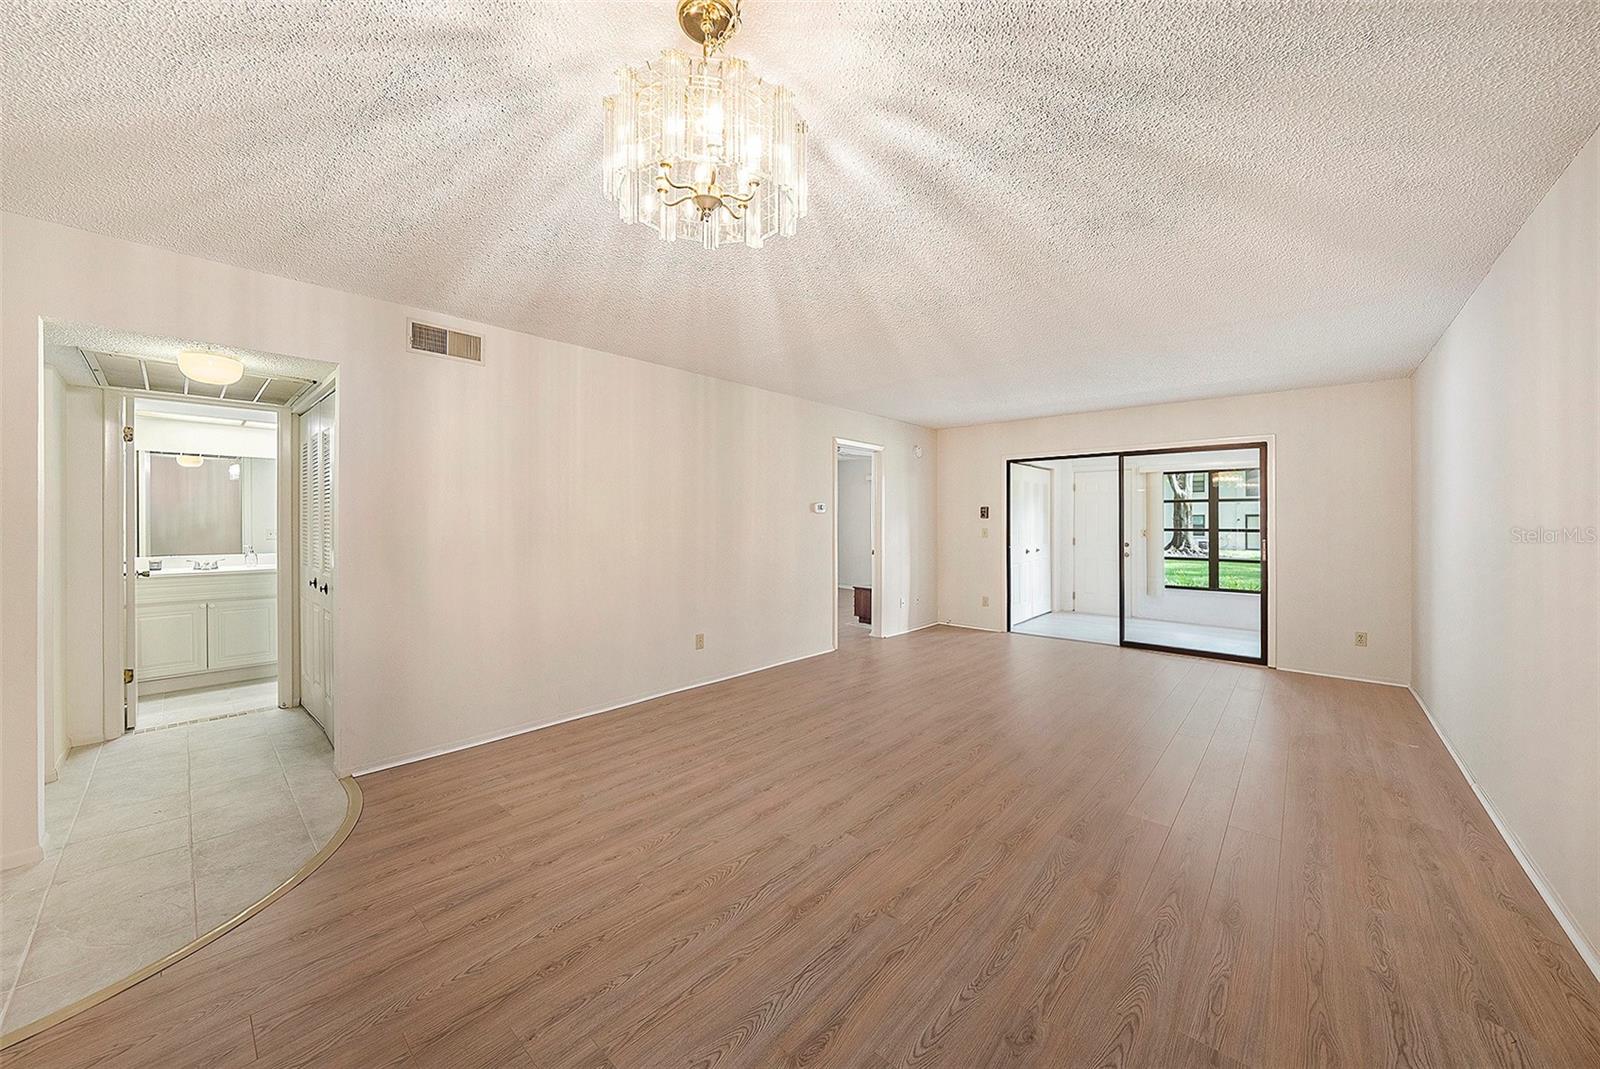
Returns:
(1094,560)
(318,444)
(1030,542)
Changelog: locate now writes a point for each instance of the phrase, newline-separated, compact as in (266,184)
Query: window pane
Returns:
(1193,574)
(1240,545)
(1239,515)
(1239,484)
(1183,484)
(1239,575)
(1189,515)
(1186,543)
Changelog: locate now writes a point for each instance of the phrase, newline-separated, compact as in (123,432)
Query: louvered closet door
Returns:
(317,445)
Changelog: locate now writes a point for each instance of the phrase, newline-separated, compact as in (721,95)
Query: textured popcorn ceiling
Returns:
(1017,208)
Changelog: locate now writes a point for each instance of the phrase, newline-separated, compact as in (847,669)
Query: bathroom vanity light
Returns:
(215,369)
(190,460)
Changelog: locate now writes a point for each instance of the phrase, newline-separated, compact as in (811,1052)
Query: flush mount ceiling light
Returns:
(215,369)
(702,149)
(189,460)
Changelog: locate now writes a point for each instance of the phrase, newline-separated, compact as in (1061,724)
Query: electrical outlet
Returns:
(700,641)
(1361,638)
(986,532)
(986,601)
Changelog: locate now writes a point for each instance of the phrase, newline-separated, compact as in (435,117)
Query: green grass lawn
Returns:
(1232,575)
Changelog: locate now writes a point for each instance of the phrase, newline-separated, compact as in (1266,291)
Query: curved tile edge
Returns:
(352,811)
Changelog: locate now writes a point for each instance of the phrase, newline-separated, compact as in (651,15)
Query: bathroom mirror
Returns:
(218,506)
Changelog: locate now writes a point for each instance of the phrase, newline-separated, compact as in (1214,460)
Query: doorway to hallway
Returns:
(857,540)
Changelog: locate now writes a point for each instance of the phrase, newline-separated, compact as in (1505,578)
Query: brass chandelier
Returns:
(702,149)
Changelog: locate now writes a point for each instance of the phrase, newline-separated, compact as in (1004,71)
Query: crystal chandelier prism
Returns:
(699,148)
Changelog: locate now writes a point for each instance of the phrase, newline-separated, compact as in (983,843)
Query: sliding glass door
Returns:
(1159,549)
(1194,565)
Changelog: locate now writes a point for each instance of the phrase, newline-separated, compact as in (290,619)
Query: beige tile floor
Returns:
(156,838)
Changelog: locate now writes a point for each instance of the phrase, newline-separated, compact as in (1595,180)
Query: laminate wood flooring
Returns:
(951,848)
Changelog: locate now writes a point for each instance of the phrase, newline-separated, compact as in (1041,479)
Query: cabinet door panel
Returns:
(242,633)
(172,640)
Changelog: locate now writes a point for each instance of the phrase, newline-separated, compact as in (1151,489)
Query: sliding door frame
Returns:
(1122,561)
(1261,447)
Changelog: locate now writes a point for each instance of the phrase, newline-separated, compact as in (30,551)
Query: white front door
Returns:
(1030,542)
(317,453)
(1094,532)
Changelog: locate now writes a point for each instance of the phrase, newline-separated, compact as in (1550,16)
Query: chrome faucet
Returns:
(202,566)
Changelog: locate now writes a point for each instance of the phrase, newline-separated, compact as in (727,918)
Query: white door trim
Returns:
(114,589)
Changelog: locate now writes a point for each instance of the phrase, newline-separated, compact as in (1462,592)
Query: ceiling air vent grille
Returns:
(441,341)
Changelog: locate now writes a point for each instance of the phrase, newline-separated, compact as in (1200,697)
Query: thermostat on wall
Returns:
(819,507)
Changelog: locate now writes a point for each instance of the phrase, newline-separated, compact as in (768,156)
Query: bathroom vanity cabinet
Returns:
(195,625)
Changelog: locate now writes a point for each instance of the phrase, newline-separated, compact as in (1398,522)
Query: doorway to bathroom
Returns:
(182,774)
(205,587)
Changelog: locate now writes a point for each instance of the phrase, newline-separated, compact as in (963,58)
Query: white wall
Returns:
(855,521)
(521,542)
(83,610)
(70,690)
(1508,626)
(1341,506)
(53,624)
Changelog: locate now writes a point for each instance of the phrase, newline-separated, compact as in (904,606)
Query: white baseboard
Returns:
(974,627)
(1589,954)
(203,680)
(1333,675)
(523,729)
(909,630)
(25,856)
